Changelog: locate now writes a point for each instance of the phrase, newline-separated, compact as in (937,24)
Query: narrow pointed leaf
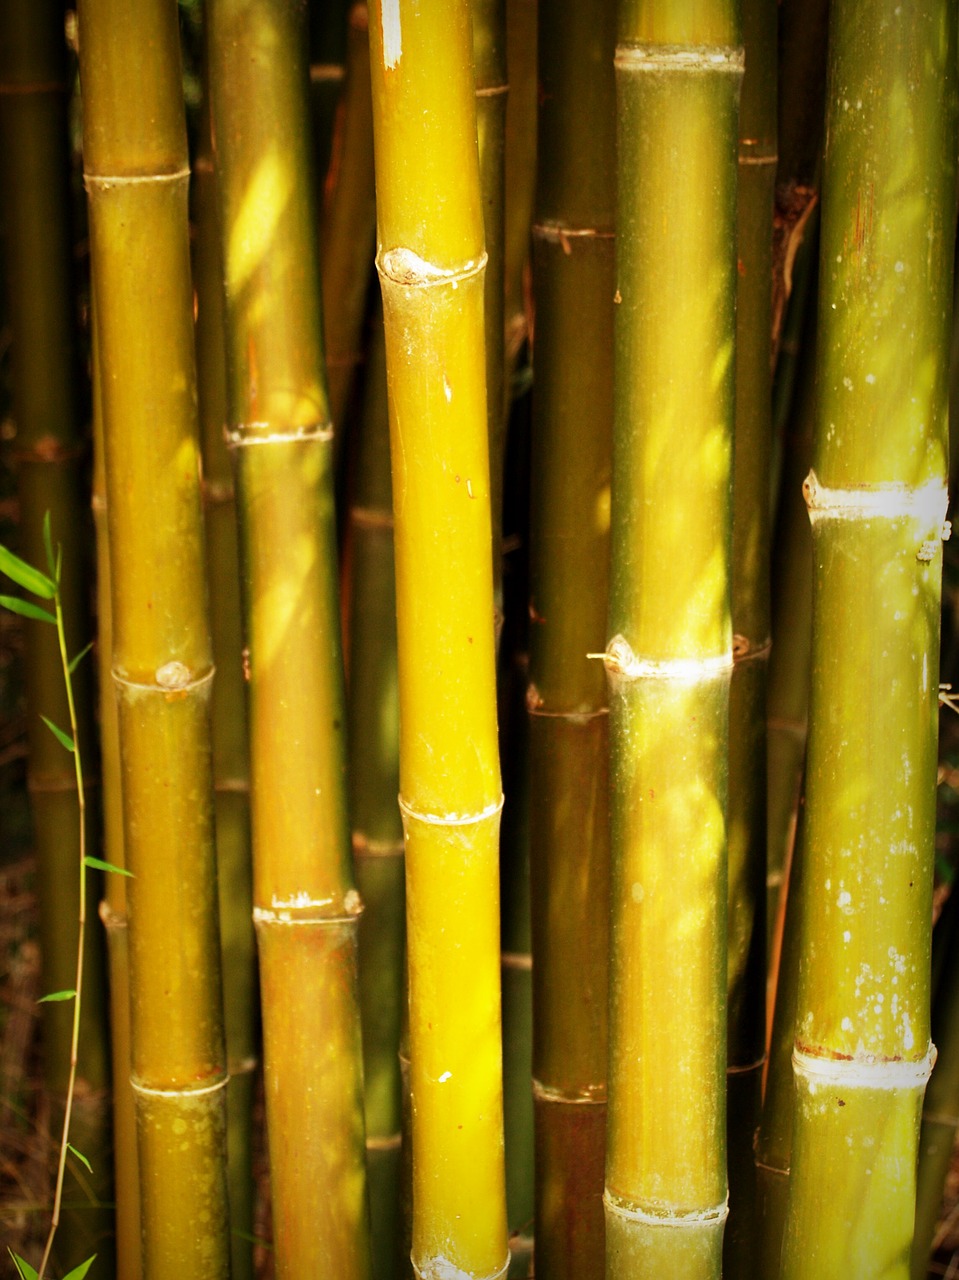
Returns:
(24,575)
(48,545)
(100,865)
(75,662)
(23,1267)
(63,738)
(56,996)
(89,1167)
(79,1272)
(27,609)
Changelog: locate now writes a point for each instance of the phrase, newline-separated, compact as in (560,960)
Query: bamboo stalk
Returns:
(306,907)
(231,770)
(573,278)
(328,41)
(669,657)
(877,501)
(136,177)
(48,449)
(431,262)
(492,89)
(349,223)
(746,975)
(377,828)
(113,908)
(519,172)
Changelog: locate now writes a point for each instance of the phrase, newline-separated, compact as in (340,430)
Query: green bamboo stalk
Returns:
(519,171)
(877,502)
(516,965)
(349,223)
(374,783)
(305,905)
(135,169)
(231,770)
(431,263)
(669,658)
(573,279)
(940,1117)
(48,449)
(751,639)
(113,908)
(492,89)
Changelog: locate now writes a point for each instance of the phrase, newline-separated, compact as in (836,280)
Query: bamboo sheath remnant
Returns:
(136,178)
(431,263)
(306,907)
(877,505)
(678,75)
(574,282)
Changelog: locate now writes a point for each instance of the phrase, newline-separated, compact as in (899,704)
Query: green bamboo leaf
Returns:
(100,865)
(48,545)
(79,658)
(55,996)
(89,1167)
(63,738)
(27,609)
(79,1272)
(24,575)
(25,1271)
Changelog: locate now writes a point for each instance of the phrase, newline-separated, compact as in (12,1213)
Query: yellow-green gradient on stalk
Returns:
(431,261)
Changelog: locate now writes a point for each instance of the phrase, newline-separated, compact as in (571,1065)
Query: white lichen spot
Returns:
(847,383)
(447,390)
(846,1024)
(900,267)
(392,33)
(828,885)
(908,1040)
(638,892)
(447,1075)
(871,379)
(844,901)
(173,675)
(847,936)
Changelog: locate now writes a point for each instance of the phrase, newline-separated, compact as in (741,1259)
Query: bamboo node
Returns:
(326,72)
(622,663)
(247,433)
(389,1142)
(516,960)
(442,1269)
(173,675)
(364,847)
(370,518)
(746,650)
(924,503)
(588,1095)
(404,267)
(450,819)
(305,910)
(104,181)
(661,1216)
(149,1092)
(869,1072)
(671,57)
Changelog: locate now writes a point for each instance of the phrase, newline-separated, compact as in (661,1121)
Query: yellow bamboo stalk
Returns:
(431,262)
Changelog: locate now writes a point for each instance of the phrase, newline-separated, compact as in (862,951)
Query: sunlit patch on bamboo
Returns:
(253,231)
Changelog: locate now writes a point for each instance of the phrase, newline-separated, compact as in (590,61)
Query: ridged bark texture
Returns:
(877,501)
(669,655)
(431,263)
(573,280)
(306,907)
(135,164)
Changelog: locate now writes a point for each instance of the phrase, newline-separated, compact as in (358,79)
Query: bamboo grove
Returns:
(500,451)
